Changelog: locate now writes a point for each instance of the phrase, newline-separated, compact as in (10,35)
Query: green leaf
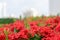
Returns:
(48,24)
(6,33)
(15,30)
(1,25)
(27,25)
(36,37)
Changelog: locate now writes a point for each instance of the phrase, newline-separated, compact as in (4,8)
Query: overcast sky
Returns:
(16,7)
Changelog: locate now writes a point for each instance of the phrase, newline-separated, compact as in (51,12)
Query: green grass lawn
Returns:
(6,20)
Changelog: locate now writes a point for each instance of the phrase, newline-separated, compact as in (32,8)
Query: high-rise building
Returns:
(3,10)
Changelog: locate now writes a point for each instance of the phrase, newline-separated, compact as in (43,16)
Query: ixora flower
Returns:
(33,30)
(2,36)
(50,21)
(50,30)
(55,37)
(18,25)
(58,28)
(24,34)
(45,31)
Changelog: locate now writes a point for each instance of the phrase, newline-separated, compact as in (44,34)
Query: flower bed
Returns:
(33,28)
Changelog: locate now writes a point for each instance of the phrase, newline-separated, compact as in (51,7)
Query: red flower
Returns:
(18,25)
(45,31)
(23,34)
(57,29)
(11,36)
(2,36)
(33,30)
(50,21)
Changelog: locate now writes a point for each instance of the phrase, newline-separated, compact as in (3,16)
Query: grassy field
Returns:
(6,20)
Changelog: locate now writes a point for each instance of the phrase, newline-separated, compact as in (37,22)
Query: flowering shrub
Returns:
(45,28)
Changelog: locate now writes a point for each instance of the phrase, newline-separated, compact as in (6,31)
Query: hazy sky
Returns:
(16,7)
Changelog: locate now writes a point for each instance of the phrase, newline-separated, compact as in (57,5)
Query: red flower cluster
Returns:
(47,30)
